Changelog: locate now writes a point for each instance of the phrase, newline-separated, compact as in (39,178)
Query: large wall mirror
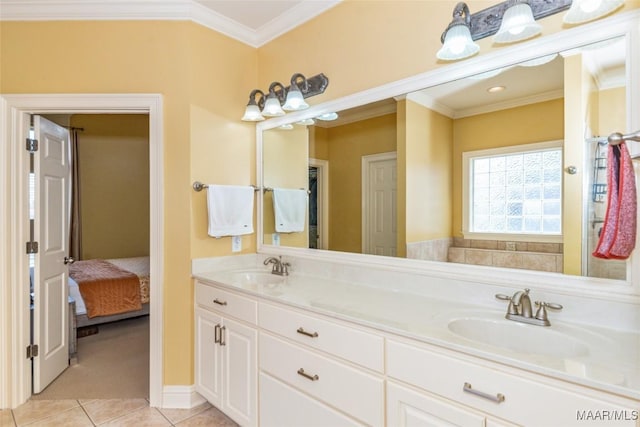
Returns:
(505,167)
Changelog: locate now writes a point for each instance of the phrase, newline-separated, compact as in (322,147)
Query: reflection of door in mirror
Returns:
(286,152)
(313,207)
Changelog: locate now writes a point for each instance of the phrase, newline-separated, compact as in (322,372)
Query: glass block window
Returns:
(515,190)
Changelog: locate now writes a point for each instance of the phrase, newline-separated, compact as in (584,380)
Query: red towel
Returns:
(618,234)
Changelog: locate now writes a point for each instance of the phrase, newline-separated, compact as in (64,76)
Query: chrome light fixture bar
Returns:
(280,98)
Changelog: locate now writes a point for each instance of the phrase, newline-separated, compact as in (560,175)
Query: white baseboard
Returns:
(181,396)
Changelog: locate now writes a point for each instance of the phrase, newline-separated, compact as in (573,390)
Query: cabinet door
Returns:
(408,408)
(208,369)
(238,346)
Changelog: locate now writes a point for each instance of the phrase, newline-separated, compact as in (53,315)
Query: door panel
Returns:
(51,231)
(380,206)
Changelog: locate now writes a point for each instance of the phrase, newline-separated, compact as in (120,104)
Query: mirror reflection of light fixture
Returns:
(588,10)
(517,23)
(295,101)
(286,126)
(327,117)
(271,105)
(306,122)
(487,22)
(456,39)
(252,112)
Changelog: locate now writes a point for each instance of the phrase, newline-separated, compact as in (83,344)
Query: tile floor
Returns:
(109,412)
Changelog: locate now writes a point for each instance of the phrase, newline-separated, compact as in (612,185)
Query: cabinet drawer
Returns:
(284,406)
(343,387)
(526,401)
(357,346)
(228,303)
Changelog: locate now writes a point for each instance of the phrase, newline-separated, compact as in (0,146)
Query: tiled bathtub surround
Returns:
(432,250)
(494,253)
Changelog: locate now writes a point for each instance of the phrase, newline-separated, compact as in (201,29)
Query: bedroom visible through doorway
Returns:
(112,188)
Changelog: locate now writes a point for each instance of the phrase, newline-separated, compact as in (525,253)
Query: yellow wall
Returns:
(204,78)
(429,150)
(113,154)
(539,122)
(612,111)
(285,158)
(346,146)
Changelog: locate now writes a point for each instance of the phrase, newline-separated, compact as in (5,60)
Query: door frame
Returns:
(15,368)
(366,202)
(323,200)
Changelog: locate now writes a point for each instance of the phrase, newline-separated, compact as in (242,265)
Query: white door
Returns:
(51,231)
(379,214)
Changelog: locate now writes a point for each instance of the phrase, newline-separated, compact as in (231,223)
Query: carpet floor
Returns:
(112,364)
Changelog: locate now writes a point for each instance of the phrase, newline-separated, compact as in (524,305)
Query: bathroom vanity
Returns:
(344,344)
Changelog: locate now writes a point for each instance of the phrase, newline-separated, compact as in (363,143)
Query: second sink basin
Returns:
(519,337)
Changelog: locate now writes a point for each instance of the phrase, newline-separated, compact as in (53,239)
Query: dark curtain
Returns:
(75,244)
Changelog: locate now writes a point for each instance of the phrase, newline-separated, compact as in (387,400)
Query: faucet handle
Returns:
(503,297)
(541,313)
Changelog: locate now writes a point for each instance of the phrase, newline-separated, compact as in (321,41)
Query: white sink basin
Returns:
(261,278)
(519,337)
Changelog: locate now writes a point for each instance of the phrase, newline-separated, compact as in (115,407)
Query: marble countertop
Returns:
(601,358)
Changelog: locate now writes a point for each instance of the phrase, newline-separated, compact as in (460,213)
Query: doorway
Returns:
(111,194)
(15,373)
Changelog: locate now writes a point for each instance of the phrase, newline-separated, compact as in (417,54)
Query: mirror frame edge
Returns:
(625,24)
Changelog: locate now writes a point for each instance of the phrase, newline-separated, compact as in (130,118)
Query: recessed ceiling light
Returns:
(495,89)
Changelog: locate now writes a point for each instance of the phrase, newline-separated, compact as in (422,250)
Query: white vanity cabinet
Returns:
(451,386)
(331,370)
(226,352)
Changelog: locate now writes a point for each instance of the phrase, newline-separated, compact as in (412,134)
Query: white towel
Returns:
(230,209)
(290,209)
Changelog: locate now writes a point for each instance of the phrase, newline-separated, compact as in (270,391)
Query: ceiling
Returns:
(253,22)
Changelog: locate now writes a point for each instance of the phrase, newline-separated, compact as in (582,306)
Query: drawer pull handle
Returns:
(301,330)
(498,398)
(307,376)
(217,301)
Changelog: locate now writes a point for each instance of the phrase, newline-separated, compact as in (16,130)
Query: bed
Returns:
(97,279)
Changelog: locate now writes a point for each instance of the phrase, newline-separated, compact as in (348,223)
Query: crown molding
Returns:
(175,10)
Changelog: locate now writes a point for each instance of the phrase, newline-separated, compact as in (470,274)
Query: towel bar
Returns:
(198,186)
(265,189)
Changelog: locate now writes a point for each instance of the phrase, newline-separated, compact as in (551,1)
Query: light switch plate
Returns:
(275,239)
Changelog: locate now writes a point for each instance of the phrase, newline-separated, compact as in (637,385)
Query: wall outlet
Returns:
(275,239)
(236,244)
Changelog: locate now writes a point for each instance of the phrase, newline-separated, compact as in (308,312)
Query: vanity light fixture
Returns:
(588,10)
(286,126)
(295,100)
(280,98)
(272,107)
(252,112)
(495,89)
(456,39)
(510,15)
(517,23)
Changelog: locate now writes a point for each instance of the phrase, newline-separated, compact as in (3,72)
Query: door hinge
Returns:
(32,351)
(32,247)
(32,145)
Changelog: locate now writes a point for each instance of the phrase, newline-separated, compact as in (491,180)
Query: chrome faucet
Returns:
(280,268)
(520,309)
